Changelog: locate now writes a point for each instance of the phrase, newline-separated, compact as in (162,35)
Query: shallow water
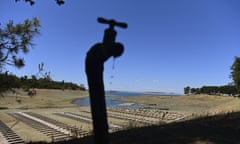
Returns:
(109,101)
(113,95)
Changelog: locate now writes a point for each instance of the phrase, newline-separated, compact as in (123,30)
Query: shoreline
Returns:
(188,104)
(48,103)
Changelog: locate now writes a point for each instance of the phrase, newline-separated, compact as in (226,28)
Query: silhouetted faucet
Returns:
(110,33)
(94,64)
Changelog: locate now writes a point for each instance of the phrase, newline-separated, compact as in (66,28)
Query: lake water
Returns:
(113,95)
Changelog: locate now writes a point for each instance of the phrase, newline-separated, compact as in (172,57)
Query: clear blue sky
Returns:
(169,44)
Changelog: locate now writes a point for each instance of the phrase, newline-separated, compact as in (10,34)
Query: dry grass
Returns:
(45,102)
(213,130)
(190,104)
(43,99)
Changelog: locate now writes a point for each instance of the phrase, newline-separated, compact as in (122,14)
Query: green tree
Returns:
(209,89)
(228,89)
(194,90)
(15,39)
(235,73)
(7,82)
(187,90)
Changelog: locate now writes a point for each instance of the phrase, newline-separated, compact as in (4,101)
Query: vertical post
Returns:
(94,65)
(94,71)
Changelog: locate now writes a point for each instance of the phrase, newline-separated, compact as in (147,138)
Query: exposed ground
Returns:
(192,104)
(43,99)
(186,115)
(219,129)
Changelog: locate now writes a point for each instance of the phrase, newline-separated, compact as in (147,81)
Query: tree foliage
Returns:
(15,39)
(215,90)
(235,73)
(195,90)
(9,81)
(32,2)
(187,90)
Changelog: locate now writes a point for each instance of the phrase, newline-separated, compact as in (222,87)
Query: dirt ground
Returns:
(47,102)
(192,104)
(43,99)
